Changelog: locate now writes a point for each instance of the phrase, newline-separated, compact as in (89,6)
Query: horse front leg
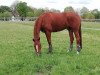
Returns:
(71,40)
(48,36)
(78,41)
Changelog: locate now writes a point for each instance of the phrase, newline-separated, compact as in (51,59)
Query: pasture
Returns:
(17,56)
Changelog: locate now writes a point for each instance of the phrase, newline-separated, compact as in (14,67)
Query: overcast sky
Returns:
(57,4)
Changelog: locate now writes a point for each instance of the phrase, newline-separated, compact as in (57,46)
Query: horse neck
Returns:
(37,31)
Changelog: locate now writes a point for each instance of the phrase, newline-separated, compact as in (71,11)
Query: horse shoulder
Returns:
(46,22)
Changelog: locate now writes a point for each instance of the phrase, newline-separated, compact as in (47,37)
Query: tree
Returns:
(30,9)
(54,10)
(38,12)
(14,4)
(1,15)
(22,9)
(13,8)
(96,13)
(84,10)
(88,15)
(69,9)
(5,15)
(4,9)
(30,14)
(5,12)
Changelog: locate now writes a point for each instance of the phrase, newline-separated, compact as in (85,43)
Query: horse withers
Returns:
(53,22)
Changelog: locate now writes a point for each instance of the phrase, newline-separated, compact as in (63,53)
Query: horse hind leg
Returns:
(71,40)
(48,36)
(78,41)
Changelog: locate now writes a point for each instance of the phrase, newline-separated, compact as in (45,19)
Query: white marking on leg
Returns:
(68,50)
(37,48)
(77,52)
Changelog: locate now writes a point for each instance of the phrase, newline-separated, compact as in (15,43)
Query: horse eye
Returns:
(39,38)
(33,40)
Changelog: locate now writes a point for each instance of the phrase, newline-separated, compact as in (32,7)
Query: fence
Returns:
(91,20)
(18,18)
(34,18)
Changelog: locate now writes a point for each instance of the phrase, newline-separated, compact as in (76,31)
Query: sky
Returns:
(57,4)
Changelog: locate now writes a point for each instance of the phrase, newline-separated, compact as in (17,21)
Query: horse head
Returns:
(37,45)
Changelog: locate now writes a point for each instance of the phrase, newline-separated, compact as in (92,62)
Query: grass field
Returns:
(17,56)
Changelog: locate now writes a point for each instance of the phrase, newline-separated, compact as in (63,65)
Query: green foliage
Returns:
(30,9)
(30,14)
(88,16)
(5,14)
(4,9)
(17,56)
(22,9)
(38,12)
(1,14)
(96,13)
(69,9)
(84,10)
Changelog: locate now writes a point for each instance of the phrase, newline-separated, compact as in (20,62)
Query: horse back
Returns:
(53,22)
(59,21)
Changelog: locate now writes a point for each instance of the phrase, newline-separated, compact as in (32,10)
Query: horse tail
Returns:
(80,34)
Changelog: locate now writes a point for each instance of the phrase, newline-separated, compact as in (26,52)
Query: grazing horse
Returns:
(53,22)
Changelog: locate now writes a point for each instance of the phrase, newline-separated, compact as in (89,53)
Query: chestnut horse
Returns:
(53,22)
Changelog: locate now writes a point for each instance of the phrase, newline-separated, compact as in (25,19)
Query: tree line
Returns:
(21,9)
(85,12)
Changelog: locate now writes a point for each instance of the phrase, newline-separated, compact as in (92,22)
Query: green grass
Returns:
(17,56)
(91,24)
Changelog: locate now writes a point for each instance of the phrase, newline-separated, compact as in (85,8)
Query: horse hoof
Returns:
(49,52)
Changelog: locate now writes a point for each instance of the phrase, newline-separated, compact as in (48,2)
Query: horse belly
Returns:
(58,27)
(59,23)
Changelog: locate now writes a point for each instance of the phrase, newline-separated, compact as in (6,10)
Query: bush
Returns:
(88,16)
